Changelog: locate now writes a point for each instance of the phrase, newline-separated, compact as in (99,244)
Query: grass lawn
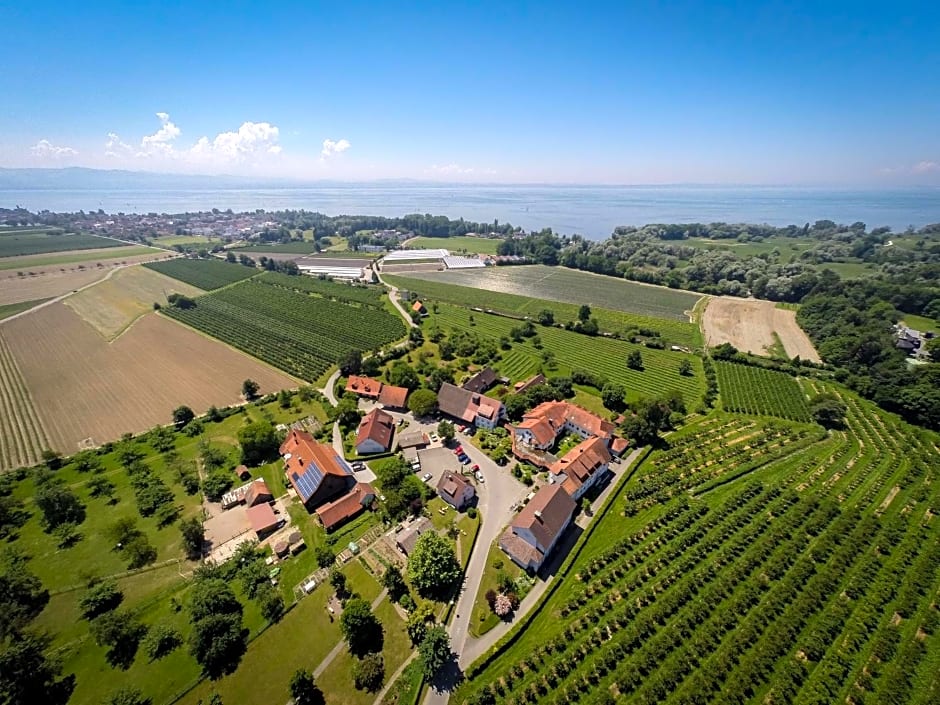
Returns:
(406,688)
(480,245)
(850,270)
(7,310)
(483,619)
(921,323)
(441,521)
(468,531)
(170,240)
(589,400)
(336,680)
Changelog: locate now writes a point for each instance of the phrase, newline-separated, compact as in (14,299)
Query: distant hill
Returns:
(78,178)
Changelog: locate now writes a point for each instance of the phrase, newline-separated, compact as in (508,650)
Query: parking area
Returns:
(437,461)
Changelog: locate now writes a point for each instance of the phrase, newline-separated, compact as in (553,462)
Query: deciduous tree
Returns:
(433,565)
(361,630)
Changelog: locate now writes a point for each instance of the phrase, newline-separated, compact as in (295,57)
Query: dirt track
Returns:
(749,325)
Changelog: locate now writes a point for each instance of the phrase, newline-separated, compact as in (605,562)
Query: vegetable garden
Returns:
(206,274)
(803,567)
(754,390)
(295,332)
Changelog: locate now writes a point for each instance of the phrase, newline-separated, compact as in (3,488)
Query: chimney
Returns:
(538,515)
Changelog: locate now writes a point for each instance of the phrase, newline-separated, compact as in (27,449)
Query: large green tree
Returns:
(259,442)
(22,593)
(304,690)
(218,640)
(58,504)
(433,566)
(435,651)
(361,629)
(422,402)
(28,676)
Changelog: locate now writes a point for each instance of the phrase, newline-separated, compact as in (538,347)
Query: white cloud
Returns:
(330,147)
(926,167)
(251,138)
(161,141)
(44,149)
(116,147)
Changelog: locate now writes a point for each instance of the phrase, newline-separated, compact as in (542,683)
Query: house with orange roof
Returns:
(582,467)
(375,432)
(535,531)
(364,386)
(542,426)
(336,513)
(392,397)
(419,308)
(315,471)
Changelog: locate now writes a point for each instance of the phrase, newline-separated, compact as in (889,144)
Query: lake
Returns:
(593,211)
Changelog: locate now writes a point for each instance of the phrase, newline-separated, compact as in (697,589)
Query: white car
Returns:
(479,476)
(434,438)
(427,477)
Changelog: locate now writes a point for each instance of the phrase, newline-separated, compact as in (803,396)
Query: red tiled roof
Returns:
(417,307)
(619,445)
(554,507)
(393,397)
(304,451)
(556,413)
(257,491)
(520,387)
(363,386)
(262,518)
(451,484)
(378,426)
(581,462)
(346,507)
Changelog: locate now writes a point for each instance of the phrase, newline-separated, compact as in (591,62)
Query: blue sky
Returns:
(625,92)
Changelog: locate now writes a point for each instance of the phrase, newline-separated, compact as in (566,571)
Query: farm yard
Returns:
(303,335)
(572,286)
(112,305)
(98,389)
(15,242)
(801,568)
(570,351)
(206,274)
(750,324)
(673,331)
(753,390)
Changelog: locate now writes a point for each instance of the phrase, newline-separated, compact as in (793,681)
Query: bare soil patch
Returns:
(112,305)
(749,325)
(48,281)
(82,386)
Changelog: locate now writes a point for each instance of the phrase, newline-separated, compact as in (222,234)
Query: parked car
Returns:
(458,450)
(479,476)
(427,477)
(464,459)
(476,467)
(434,438)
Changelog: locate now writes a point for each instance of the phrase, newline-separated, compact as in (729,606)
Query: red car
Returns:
(458,450)
(475,467)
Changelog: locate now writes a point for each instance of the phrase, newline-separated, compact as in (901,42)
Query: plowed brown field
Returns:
(749,325)
(84,387)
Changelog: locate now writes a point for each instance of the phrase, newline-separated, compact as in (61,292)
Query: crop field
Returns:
(673,331)
(756,326)
(370,296)
(572,286)
(22,434)
(205,274)
(307,247)
(748,561)
(301,334)
(101,390)
(7,310)
(480,245)
(602,356)
(91,257)
(112,305)
(752,390)
(14,243)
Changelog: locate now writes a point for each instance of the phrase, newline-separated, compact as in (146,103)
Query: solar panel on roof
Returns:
(342,463)
(308,483)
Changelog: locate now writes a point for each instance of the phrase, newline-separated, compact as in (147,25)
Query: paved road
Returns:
(327,390)
(497,495)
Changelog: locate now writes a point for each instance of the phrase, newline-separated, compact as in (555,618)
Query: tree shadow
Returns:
(449,676)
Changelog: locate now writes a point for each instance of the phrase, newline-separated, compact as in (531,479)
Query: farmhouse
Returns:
(582,467)
(412,439)
(407,538)
(388,395)
(533,381)
(469,407)
(258,493)
(375,432)
(481,381)
(419,308)
(314,470)
(241,472)
(263,520)
(541,426)
(350,505)
(364,386)
(455,490)
(535,531)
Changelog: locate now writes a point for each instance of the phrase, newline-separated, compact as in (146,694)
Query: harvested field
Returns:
(58,259)
(22,435)
(749,325)
(84,387)
(110,306)
(44,282)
